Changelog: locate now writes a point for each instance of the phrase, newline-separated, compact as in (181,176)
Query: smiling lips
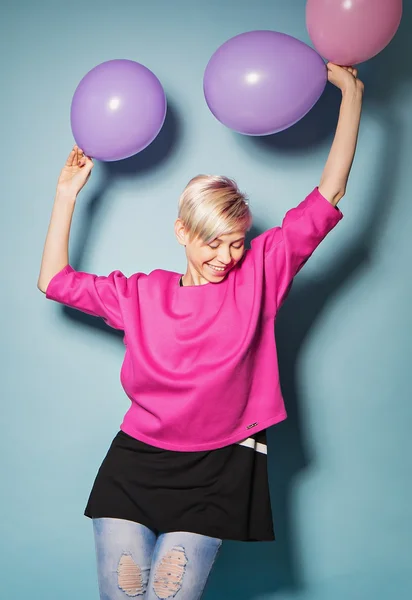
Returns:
(217,269)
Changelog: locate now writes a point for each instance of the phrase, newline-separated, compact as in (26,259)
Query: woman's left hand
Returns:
(344,78)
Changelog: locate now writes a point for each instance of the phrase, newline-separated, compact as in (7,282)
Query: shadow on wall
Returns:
(245,571)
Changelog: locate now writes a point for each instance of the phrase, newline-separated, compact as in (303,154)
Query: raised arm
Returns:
(72,178)
(338,165)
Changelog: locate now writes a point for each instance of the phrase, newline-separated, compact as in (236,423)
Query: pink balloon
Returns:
(348,32)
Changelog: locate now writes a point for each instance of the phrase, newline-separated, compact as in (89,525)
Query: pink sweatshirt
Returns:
(200,365)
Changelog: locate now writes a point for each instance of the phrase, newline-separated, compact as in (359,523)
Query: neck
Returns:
(192,277)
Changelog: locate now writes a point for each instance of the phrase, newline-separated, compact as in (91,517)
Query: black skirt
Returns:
(221,493)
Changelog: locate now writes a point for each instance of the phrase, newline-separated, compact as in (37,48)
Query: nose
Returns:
(224,256)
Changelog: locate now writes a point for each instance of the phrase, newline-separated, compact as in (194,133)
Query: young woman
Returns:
(188,467)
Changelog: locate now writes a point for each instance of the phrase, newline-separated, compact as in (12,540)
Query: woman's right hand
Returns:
(75,173)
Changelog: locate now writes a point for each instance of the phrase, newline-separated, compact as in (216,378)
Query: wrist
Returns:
(63,196)
(352,92)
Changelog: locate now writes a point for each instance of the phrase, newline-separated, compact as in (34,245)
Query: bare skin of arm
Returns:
(338,165)
(73,177)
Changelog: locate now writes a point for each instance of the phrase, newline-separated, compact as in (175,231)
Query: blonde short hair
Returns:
(213,205)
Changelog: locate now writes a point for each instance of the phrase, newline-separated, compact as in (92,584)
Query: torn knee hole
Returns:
(129,576)
(169,573)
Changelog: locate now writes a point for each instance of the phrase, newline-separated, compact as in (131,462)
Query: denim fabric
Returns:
(134,562)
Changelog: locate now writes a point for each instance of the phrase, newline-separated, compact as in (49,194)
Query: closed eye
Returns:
(236,245)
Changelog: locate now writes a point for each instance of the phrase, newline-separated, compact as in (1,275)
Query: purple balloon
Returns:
(117,110)
(261,82)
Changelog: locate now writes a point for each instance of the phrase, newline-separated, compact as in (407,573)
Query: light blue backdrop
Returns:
(340,467)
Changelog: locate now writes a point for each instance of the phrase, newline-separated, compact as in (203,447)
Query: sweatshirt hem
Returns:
(240,435)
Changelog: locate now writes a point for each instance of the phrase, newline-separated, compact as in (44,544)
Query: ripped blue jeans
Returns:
(135,562)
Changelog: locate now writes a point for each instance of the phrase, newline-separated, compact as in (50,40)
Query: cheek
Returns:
(201,255)
(206,254)
(237,255)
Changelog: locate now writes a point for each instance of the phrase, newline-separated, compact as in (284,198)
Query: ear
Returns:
(180,232)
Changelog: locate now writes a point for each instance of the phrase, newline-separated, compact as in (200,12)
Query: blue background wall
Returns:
(340,467)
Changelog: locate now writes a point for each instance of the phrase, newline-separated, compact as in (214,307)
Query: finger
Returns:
(355,73)
(70,158)
(88,168)
(81,158)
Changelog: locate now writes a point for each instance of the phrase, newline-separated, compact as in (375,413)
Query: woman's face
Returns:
(210,263)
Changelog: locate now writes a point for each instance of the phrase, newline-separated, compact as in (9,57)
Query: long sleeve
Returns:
(285,249)
(96,295)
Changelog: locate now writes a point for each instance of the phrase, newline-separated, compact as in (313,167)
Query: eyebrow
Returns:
(234,241)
